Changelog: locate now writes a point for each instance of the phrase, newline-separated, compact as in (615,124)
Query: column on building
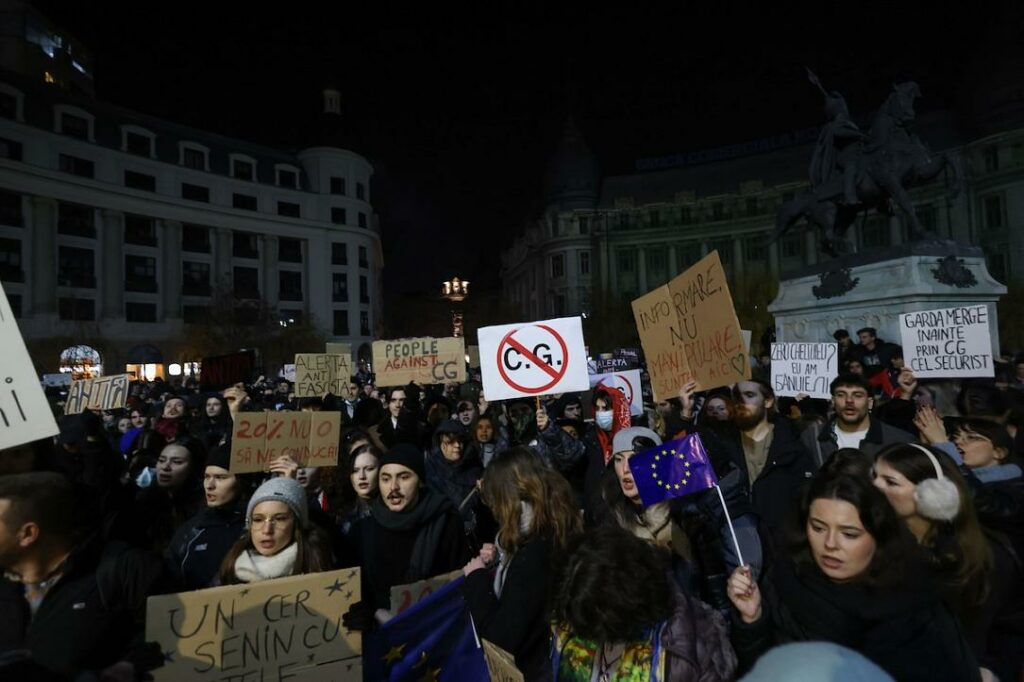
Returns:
(641,270)
(673,266)
(44,255)
(773,258)
(602,280)
(111,283)
(737,258)
(810,247)
(319,281)
(896,229)
(268,259)
(171,280)
(222,257)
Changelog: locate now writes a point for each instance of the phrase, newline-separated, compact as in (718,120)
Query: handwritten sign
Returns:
(222,371)
(320,373)
(628,383)
(25,415)
(404,596)
(529,359)
(689,331)
(952,342)
(424,360)
(804,368)
(287,628)
(310,438)
(101,393)
(500,663)
(339,349)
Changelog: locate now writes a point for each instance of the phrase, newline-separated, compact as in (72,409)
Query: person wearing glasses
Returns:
(278,539)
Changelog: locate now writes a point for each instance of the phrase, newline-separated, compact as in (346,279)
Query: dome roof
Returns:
(572,178)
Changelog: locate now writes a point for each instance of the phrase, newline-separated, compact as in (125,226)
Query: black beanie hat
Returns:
(409,456)
(219,456)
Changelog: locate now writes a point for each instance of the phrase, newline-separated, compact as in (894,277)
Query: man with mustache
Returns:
(412,533)
(852,426)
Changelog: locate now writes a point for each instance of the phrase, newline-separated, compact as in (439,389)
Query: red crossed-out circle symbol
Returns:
(515,357)
(624,386)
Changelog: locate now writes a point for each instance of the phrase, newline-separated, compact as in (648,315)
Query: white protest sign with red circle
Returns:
(533,359)
(626,382)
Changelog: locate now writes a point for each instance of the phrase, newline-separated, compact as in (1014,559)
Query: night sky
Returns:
(459,106)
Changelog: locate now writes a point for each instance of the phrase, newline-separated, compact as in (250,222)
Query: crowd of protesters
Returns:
(881,532)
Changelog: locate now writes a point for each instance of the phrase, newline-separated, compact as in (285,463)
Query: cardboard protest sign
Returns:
(339,349)
(404,596)
(310,438)
(689,331)
(628,383)
(530,359)
(101,393)
(424,360)
(500,663)
(24,412)
(221,371)
(951,342)
(287,628)
(807,368)
(320,373)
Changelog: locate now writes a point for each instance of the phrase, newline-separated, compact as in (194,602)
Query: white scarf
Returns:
(252,567)
(504,559)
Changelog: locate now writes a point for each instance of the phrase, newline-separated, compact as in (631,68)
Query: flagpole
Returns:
(732,531)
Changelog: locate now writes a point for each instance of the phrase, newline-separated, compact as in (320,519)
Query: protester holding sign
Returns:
(506,584)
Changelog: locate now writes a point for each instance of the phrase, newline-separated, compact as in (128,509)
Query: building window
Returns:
(138,144)
(996,261)
(140,312)
(195,278)
(289,209)
(76,267)
(339,253)
(793,245)
(74,126)
(584,262)
(139,230)
(657,264)
(9,149)
(363,260)
(685,215)
(195,238)
(558,266)
(627,261)
(243,201)
(139,181)
(194,314)
(360,191)
(246,282)
(287,178)
(341,322)
(140,274)
(243,170)
(193,158)
(244,245)
(364,290)
(10,209)
(687,254)
(995,216)
(195,192)
(364,322)
(754,249)
(624,221)
(991,157)
(339,293)
(10,260)
(362,220)
(584,223)
(77,166)
(76,309)
(718,211)
(655,219)
(289,250)
(751,206)
(337,185)
(76,220)
(290,285)
(338,216)
(8,106)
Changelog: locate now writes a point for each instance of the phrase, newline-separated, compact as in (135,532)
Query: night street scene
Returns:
(551,342)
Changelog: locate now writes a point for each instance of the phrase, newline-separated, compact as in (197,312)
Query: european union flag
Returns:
(433,641)
(673,469)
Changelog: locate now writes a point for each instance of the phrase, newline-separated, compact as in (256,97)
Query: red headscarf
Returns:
(620,420)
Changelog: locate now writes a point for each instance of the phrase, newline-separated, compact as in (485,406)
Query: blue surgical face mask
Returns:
(604,419)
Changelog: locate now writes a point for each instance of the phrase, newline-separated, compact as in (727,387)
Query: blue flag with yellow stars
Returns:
(673,469)
(433,641)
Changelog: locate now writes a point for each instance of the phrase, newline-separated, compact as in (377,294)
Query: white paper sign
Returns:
(807,368)
(952,342)
(25,415)
(628,382)
(533,358)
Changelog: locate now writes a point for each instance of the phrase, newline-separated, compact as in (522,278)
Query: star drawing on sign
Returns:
(169,657)
(348,595)
(352,574)
(336,587)
(243,592)
(393,654)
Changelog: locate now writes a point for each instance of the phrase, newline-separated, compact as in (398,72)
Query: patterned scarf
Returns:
(572,658)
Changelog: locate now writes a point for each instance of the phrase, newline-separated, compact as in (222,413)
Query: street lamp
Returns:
(455,290)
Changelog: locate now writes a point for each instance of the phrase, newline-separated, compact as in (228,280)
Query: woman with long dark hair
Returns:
(537,517)
(357,484)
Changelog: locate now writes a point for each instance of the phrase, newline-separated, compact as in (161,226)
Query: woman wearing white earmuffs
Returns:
(974,571)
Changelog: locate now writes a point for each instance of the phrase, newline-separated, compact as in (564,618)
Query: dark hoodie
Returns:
(455,480)
(200,545)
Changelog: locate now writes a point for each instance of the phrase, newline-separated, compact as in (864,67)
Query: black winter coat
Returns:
(198,547)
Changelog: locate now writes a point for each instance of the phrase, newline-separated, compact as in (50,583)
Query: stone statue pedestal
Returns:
(872,289)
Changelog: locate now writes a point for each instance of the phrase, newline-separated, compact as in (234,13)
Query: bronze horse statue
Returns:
(891,160)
